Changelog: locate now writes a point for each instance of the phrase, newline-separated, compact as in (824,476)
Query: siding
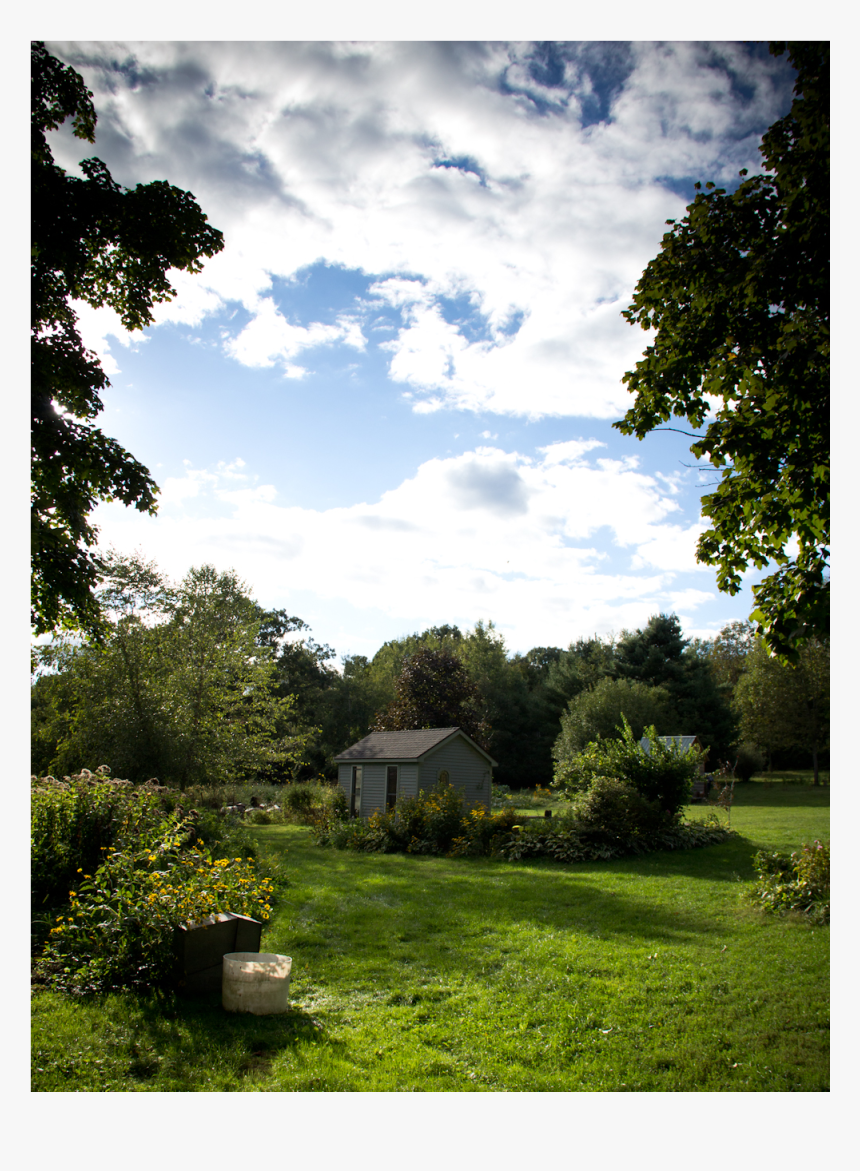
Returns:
(407,781)
(373,787)
(467,769)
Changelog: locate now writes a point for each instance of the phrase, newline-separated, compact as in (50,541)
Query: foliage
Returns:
(74,820)
(739,300)
(91,241)
(616,807)
(509,707)
(568,840)
(179,687)
(127,869)
(663,775)
(728,653)
(432,822)
(119,926)
(659,655)
(747,762)
(610,820)
(798,882)
(787,705)
(434,690)
(597,713)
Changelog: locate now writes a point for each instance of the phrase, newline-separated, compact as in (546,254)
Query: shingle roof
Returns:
(403,746)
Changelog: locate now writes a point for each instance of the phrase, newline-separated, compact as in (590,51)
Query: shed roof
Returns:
(685,743)
(408,746)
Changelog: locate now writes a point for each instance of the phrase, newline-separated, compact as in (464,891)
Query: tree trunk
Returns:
(815,765)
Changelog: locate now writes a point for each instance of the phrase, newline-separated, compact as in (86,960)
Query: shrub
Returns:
(798,882)
(127,871)
(73,820)
(748,762)
(616,807)
(500,796)
(612,820)
(429,823)
(119,926)
(664,775)
(567,840)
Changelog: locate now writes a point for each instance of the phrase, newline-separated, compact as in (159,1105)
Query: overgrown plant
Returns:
(663,775)
(432,822)
(119,925)
(125,870)
(798,882)
(74,819)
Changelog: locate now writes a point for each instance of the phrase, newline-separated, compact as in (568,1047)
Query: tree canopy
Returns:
(739,299)
(181,685)
(434,690)
(787,705)
(97,242)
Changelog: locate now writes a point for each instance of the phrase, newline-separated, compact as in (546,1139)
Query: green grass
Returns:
(433,974)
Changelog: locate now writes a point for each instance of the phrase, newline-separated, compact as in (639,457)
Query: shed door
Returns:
(391,787)
(355,797)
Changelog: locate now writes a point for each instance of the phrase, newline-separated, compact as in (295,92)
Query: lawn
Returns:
(434,974)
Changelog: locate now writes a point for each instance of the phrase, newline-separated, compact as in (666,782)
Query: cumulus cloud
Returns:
(269,337)
(488,533)
(533,181)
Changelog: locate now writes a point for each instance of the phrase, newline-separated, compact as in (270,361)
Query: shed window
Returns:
(444,776)
(355,796)
(391,787)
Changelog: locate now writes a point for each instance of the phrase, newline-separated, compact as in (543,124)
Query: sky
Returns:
(388,403)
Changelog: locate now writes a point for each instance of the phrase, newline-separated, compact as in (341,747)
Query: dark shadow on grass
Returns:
(184,1029)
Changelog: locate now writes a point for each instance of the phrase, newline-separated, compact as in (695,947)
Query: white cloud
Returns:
(526,542)
(97,326)
(415,163)
(269,337)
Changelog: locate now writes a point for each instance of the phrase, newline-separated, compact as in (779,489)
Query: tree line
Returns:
(195,682)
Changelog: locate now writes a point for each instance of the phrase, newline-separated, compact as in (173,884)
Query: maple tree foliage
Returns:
(739,299)
(106,245)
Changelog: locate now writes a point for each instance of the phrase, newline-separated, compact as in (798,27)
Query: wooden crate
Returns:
(200,949)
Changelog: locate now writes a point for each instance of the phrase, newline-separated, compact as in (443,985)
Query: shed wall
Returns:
(468,771)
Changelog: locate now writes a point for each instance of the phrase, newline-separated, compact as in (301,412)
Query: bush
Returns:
(664,775)
(73,820)
(615,807)
(798,882)
(612,820)
(118,930)
(131,872)
(748,762)
(430,823)
(566,840)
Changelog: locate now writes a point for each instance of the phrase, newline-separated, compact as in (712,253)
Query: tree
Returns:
(97,242)
(598,714)
(729,652)
(434,690)
(179,686)
(659,655)
(509,707)
(787,705)
(739,299)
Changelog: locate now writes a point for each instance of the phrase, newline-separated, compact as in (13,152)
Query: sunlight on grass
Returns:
(435,974)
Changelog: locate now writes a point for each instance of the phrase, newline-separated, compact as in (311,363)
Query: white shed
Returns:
(385,767)
(682,743)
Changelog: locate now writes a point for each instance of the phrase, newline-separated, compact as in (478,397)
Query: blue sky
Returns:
(388,403)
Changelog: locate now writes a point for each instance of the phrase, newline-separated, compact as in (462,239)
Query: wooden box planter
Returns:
(200,949)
